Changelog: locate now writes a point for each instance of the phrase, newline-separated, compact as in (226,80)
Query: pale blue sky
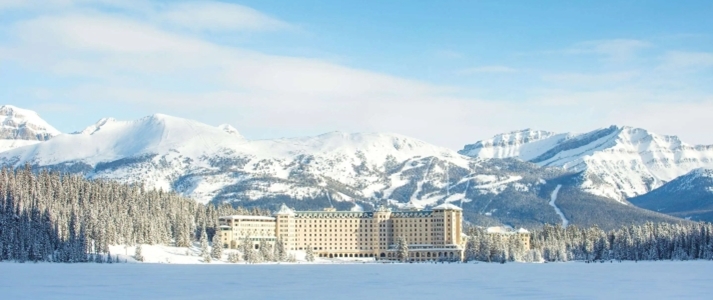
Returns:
(447,72)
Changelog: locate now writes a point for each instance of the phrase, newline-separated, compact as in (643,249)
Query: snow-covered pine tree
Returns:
(246,247)
(280,252)
(217,248)
(402,249)
(138,256)
(233,257)
(205,253)
(266,253)
(309,254)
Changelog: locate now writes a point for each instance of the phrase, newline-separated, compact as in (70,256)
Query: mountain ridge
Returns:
(689,196)
(631,160)
(349,171)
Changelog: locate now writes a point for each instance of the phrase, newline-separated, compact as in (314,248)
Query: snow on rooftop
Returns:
(242,217)
(285,211)
(411,205)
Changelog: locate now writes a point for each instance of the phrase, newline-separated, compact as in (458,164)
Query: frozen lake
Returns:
(628,280)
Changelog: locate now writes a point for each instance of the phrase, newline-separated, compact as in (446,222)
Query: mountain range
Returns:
(629,161)
(513,179)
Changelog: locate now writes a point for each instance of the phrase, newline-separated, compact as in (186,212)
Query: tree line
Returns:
(650,241)
(66,218)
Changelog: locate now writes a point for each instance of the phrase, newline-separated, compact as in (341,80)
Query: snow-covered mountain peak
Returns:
(371,147)
(703,172)
(22,124)
(109,139)
(630,160)
(91,129)
(525,144)
(228,128)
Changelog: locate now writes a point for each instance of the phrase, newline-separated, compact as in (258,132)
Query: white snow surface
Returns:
(12,144)
(573,280)
(630,161)
(552,203)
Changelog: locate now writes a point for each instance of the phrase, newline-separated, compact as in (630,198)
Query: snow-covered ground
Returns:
(161,254)
(574,280)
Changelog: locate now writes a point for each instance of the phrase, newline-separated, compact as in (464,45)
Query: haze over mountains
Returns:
(508,179)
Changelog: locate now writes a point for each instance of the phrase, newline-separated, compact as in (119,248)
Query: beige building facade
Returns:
(434,234)
(506,232)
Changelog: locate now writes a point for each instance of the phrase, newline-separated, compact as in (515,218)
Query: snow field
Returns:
(628,280)
(160,254)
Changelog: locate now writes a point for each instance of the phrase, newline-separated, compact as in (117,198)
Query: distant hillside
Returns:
(689,196)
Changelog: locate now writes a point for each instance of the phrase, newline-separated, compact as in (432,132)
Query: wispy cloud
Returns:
(487,69)
(211,16)
(590,79)
(616,50)
(218,16)
(158,58)
(122,60)
(687,60)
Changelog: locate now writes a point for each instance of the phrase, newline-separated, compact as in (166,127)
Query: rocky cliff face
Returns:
(22,124)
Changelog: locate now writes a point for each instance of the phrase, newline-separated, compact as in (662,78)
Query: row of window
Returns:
(370,221)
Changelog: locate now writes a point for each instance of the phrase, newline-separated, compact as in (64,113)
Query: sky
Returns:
(446,72)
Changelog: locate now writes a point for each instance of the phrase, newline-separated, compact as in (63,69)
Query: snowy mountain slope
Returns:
(166,149)
(347,171)
(524,144)
(629,161)
(109,140)
(688,196)
(12,144)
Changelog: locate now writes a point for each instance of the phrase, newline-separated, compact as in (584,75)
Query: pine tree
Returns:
(246,247)
(280,252)
(266,252)
(309,254)
(138,256)
(402,249)
(205,253)
(217,248)
(233,257)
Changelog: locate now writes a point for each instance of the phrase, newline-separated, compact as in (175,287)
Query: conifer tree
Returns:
(280,252)
(309,254)
(205,253)
(266,252)
(246,247)
(138,256)
(402,249)
(233,257)
(217,248)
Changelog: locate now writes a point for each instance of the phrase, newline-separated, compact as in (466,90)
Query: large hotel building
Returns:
(434,234)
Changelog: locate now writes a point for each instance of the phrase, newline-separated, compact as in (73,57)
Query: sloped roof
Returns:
(284,210)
